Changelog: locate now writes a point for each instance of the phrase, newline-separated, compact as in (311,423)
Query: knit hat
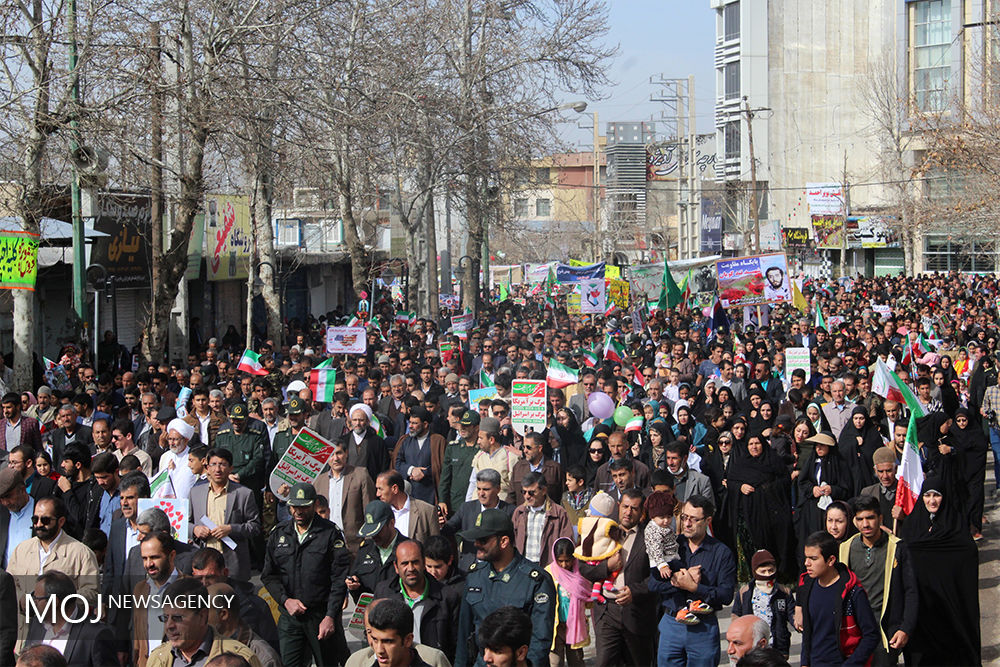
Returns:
(762,557)
(603,505)
(660,503)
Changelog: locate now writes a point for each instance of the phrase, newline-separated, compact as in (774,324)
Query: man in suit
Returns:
(618,448)
(534,461)
(539,521)
(15,428)
(418,457)
(328,425)
(623,627)
(436,606)
(225,509)
(123,536)
(22,459)
(365,449)
(414,518)
(578,402)
(159,570)
(206,423)
(151,521)
(87,643)
(392,405)
(487,497)
(80,490)
(64,553)
(348,489)
(69,431)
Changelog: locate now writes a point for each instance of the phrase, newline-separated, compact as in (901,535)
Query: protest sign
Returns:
(462,322)
(301,462)
(178,510)
(448,301)
(797,357)
(346,340)
(593,297)
(476,395)
(528,405)
(754,280)
(18,260)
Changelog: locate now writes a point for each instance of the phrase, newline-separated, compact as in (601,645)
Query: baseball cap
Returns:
(489,523)
(237,411)
(470,418)
(377,514)
(302,494)
(296,406)
(165,414)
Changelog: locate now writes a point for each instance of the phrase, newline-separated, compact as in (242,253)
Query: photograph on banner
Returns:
(647,279)
(593,297)
(346,340)
(528,405)
(797,357)
(754,280)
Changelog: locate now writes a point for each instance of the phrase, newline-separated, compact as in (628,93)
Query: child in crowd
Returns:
(765,599)
(600,539)
(573,594)
(661,541)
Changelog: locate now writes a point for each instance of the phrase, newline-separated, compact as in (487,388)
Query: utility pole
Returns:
(597,191)
(156,171)
(754,206)
(845,188)
(79,270)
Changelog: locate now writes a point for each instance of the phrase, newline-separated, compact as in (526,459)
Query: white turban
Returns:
(363,408)
(183,429)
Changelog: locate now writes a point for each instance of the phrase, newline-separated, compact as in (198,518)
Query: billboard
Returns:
(828,231)
(126,253)
(228,237)
(711,225)
(825,198)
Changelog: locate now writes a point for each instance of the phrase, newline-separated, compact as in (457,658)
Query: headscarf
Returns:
(591,466)
(571,439)
(31,398)
(578,589)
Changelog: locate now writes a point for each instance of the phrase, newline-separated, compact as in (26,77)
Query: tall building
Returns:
(816,77)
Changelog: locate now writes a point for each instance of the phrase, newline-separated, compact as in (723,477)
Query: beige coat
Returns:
(69,556)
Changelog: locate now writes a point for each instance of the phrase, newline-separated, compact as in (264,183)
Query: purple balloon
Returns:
(600,405)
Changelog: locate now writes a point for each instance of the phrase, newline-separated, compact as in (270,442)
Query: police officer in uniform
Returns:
(304,570)
(376,557)
(503,577)
(247,442)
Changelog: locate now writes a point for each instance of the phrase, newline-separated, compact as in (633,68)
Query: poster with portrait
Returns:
(754,280)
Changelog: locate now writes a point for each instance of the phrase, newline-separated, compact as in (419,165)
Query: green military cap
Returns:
(377,514)
(296,406)
(237,411)
(489,523)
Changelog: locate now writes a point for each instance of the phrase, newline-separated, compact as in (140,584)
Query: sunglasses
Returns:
(175,618)
(44,520)
(596,451)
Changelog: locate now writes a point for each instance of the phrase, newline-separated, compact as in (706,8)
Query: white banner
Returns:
(593,296)
(346,340)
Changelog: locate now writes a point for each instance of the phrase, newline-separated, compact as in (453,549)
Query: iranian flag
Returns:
(560,375)
(613,350)
(634,424)
(911,473)
(484,379)
(611,308)
(407,317)
(638,378)
(354,322)
(250,363)
(819,322)
(162,486)
(889,386)
(377,425)
(321,381)
(590,358)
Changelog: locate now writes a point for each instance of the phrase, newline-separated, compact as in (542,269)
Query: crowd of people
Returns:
(683,470)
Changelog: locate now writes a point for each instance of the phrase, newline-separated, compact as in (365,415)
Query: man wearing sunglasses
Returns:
(51,548)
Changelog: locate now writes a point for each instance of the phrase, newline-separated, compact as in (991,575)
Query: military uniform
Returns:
(312,571)
(248,448)
(521,584)
(369,568)
(456,470)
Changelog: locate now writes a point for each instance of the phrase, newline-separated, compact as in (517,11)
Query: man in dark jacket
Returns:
(304,570)
(871,555)
(380,537)
(849,635)
(438,605)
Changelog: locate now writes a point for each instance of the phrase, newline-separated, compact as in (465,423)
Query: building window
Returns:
(731,21)
(947,253)
(732,132)
(732,80)
(520,208)
(542,175)
(543,208)
(932,39)
(288,232)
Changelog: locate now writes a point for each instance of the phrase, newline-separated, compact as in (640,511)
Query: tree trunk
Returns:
(360,260)
(267,258)
(432,265)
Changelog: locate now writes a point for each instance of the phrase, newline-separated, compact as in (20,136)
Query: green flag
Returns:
(673,292)
(504,293)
